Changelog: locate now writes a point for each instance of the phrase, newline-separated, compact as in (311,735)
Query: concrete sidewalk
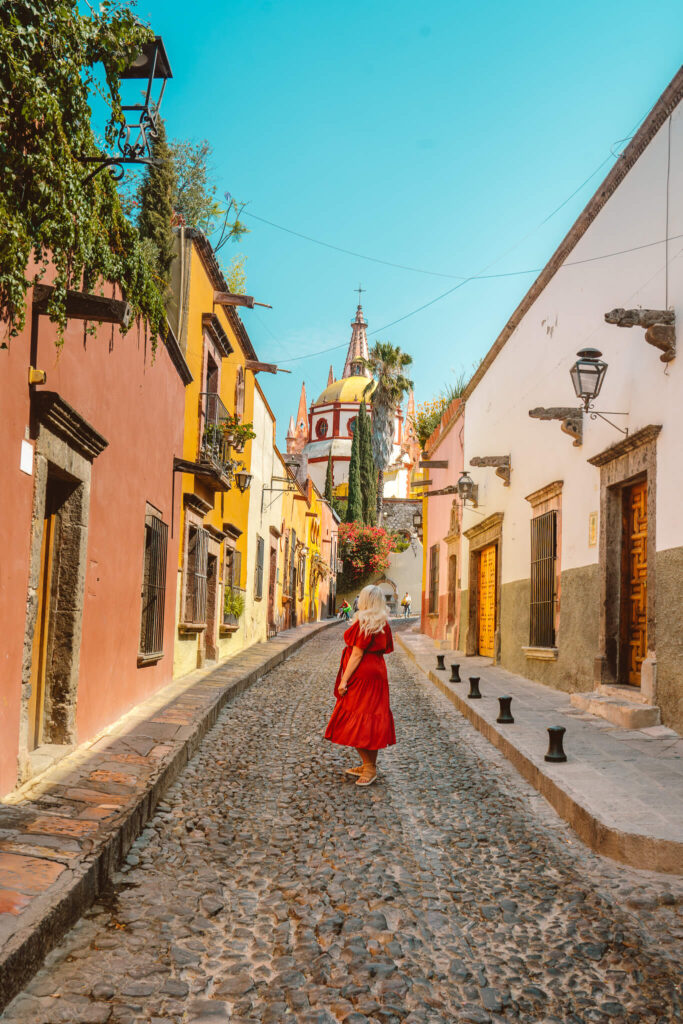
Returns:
(62,834)
(620,790)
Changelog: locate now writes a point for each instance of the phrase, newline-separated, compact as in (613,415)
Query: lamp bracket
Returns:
(500,462)
(659,325)
(571,420)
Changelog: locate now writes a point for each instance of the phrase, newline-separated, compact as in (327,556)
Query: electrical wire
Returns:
(489,277)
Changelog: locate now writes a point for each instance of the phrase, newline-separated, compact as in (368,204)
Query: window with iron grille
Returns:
(543,580)
(195,575)
(153,587)
(258,577)
(434,579)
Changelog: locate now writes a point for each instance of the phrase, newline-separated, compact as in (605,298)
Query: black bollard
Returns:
(555,749)
(455,674)
(505,715)
(439,662)
(474,688)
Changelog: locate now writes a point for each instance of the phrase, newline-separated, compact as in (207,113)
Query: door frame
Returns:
(483,535)
(621,465)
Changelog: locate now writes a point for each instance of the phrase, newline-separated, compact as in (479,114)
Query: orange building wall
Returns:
(135,400)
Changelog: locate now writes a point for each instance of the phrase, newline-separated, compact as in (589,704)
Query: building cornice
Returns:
(61,419)
(545,493)
(486,524)
(647,435)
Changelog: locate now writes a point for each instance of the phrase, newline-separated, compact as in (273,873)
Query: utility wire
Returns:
(489,277)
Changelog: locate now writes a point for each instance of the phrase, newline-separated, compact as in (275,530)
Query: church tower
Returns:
(358,347)
(297,434)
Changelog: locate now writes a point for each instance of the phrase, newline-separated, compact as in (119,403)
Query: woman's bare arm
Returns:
(353,663)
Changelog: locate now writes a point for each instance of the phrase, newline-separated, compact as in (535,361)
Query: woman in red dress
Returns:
(362,716)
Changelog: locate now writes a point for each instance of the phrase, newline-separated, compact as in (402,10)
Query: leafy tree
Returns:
(53,214)
(329,480)
(194,200)
(386,363)
(368,472)
(354,507)
(156,194)
(364,550)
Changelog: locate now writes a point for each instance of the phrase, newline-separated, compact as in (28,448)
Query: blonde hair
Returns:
(372,614)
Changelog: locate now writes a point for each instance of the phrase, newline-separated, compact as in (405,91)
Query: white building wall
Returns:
(533,368)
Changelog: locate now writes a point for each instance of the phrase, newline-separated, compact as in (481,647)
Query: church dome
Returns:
(348,389)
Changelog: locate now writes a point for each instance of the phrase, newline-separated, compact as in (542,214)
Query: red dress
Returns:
(362,716)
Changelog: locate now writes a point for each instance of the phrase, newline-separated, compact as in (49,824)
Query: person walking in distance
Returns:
(355,603)
(406,603)
(362,716)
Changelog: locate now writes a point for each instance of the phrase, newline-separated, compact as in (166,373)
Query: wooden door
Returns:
(272,587)
(633,616)
(39,658)
(487,600)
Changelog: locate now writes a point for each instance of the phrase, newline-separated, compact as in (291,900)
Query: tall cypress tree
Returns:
(329,481)
(354,508)
(368,473)
(156,204)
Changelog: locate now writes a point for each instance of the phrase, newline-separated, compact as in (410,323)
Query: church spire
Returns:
(358,347)
(297,434)
(330,377)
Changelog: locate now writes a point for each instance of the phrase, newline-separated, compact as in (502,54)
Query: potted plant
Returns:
(237,434)
(233,604)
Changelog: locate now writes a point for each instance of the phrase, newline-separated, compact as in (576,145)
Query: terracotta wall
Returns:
(135,399)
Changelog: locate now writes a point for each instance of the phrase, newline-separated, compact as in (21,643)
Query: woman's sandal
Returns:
(368,775)
(356,770)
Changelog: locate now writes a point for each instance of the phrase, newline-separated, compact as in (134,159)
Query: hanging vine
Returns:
(51,218)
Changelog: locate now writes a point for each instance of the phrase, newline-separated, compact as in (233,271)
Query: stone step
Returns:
(626,714)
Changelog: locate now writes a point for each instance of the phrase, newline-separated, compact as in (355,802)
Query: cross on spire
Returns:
(359,290)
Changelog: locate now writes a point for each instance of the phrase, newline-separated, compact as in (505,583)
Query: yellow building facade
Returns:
(213,537)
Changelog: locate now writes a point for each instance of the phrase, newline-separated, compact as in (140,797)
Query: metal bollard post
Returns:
(474,688)
(505,715)
(439,663)
(455,674)
(555,749)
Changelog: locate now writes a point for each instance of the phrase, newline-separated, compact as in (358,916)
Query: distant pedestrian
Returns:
(362,716)
(405,604)
(355,603)
(345,611)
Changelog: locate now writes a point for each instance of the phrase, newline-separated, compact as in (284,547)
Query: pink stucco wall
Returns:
(445,445)
(135,399)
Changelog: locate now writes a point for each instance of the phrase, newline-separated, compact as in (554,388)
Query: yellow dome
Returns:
(348,389)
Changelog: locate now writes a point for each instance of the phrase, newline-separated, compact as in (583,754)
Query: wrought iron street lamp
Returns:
(466,487)
(243,480)
(139,129)
(588,373)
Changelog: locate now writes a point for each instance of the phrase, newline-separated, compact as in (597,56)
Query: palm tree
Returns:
(388,387)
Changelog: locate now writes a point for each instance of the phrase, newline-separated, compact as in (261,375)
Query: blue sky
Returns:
(437,135)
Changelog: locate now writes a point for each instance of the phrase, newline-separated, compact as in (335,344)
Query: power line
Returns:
(490,277)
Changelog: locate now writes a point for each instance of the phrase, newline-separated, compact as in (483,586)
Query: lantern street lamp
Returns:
(467,489)
(139,128)
(417,519)
(588,373)
(243,480)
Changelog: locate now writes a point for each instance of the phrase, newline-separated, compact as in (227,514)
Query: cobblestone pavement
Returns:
(268,888)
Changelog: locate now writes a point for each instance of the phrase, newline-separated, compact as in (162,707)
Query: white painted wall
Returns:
(533,368)
(264,465)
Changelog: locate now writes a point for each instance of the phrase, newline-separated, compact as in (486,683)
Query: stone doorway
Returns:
(483,598)
(452,586)
(272,588)
(50,716)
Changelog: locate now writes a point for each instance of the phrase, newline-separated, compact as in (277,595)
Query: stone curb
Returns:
(55,911)
(638,851)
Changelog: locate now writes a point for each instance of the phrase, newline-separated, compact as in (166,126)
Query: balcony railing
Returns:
(214,450)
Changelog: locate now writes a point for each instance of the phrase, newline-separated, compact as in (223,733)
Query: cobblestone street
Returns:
(268,888)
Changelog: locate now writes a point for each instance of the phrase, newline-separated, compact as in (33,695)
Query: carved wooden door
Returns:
(487,600)
(634,583)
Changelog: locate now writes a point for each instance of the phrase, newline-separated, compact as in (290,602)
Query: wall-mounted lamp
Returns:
(467,489)
(588,374)
(243,480)
(139,128)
